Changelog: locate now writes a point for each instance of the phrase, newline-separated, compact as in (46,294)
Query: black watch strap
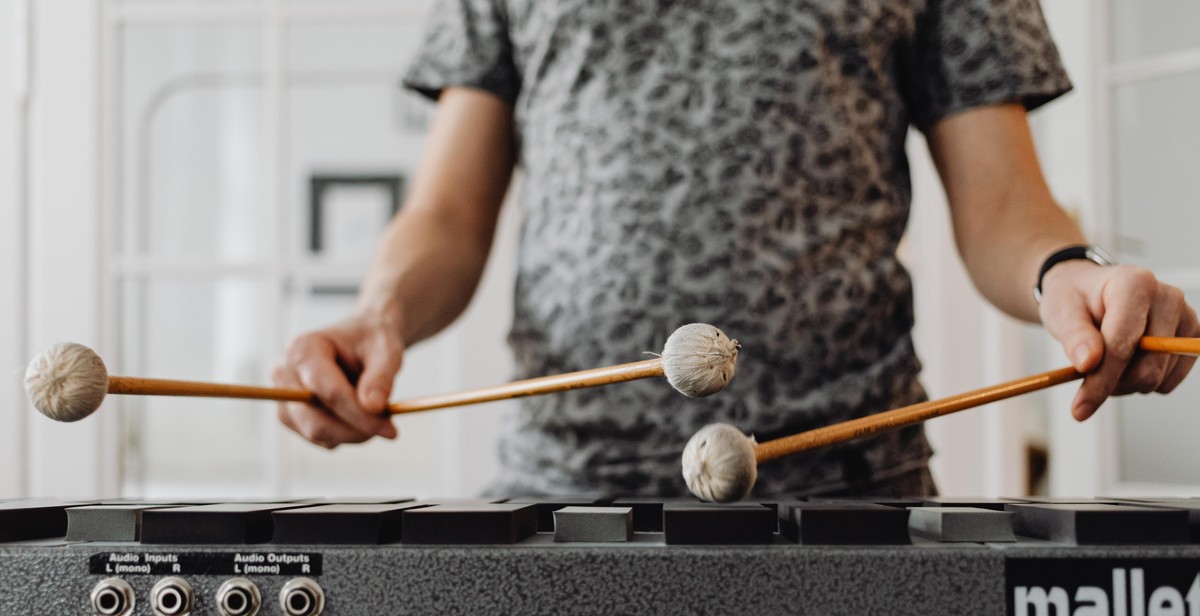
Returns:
(1087,253)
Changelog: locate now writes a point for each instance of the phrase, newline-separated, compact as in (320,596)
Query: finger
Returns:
(320,374)
(1126,300)
(1188,326)
(318,426)
(315,363)
(314,424)
(381,362)
(1072,325)
(1146,371)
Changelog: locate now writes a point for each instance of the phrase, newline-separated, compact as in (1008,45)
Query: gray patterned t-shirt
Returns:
(733,162)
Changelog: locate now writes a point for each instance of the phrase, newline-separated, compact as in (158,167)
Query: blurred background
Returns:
(186,184)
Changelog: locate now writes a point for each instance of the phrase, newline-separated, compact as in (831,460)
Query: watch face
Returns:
(1099,256)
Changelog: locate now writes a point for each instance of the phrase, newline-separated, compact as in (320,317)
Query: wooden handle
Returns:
(165,387)
(533,387)
(518,389)
(906,416)
(916,413)
(1178,346)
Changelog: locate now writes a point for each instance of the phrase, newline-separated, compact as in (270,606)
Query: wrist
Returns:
(386,313)
(1063,274)
(1071,258)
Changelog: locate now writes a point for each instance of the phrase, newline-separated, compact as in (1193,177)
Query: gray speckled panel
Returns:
(957,524)
(540,576)
(117,522)
(600,524)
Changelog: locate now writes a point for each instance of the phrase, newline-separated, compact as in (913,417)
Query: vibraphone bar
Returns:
(596,554)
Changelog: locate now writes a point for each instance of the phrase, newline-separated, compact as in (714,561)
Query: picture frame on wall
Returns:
(347,214)
(348,211)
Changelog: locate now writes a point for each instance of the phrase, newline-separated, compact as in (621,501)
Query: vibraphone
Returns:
(602,555)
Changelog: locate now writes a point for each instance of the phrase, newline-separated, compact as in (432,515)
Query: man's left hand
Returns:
(1100,313)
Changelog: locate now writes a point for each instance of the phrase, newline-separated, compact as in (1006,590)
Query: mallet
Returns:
(68,381)
(720,463)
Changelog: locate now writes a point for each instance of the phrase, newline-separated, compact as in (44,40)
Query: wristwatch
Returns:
(1091,253)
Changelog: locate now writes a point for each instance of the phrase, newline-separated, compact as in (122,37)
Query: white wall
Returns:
(13,65)
(48,244)
(63,301)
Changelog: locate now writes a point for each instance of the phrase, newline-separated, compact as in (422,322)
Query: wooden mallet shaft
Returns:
(536,386)
(517,389)
(922,411)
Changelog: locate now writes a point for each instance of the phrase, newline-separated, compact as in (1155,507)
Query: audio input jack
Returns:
(172,596)
(112,597)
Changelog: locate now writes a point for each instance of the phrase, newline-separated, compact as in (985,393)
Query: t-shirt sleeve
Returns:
(969,53)
(466,44)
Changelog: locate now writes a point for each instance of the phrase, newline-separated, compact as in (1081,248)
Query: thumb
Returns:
(381,362)
(1079,336)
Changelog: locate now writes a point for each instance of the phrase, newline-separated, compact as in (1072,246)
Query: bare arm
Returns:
(1005,220)
(1006,224)
(435,250)
(423,276)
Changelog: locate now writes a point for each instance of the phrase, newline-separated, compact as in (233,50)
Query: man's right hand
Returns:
(428,263)
(350,368)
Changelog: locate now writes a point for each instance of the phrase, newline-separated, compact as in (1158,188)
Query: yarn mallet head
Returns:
(66,382)
(719,464)
(699,359)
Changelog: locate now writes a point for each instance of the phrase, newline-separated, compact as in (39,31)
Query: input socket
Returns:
(172,596)
(301,597)
(112,597)
(238,597)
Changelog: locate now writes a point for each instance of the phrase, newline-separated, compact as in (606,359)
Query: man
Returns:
(740,164)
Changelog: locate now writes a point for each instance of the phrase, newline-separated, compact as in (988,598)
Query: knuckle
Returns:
(1121,350)
(1178,374)
(285,416)
(295,349)
(1146,378)
(332,398)
(1174,295)
(1144,384)
(320,435)
(1139,280)
(300,347)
